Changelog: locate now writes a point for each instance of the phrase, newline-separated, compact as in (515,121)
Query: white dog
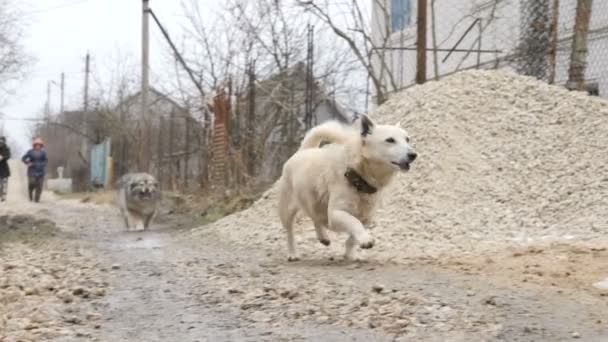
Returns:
(338,185)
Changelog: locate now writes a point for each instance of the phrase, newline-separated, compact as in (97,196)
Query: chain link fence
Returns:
(559,41)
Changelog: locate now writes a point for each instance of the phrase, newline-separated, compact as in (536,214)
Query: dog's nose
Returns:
(412,156)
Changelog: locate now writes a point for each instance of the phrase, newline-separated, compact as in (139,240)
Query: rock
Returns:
(116,266)
(99,292)
(260,317)
(575,334)
(378,288)
(80,291)
(234,291)
(247,306)
(31,291)
(73,320)
(65,296)
(491,300)
(602,285)
(31,326)
(322,319)
(93,316)
(289,294)
(364,302)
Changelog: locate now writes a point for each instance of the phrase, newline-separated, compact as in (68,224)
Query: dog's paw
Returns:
(325,242)
(293,258)
(352,256)
(367,243)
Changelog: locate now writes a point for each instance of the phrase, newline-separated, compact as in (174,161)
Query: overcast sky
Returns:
(59,34)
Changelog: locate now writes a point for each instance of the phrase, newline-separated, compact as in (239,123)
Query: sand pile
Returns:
(503,160)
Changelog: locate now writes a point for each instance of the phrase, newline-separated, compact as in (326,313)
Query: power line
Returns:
(49,9)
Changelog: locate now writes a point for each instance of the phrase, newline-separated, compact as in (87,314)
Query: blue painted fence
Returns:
(100,168)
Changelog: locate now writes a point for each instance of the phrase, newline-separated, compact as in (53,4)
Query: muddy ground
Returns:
(78,276)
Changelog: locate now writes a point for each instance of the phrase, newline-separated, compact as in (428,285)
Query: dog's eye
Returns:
(407,139)
(390,140)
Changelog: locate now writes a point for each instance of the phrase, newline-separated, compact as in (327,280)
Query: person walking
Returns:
(36,160)
(5,171)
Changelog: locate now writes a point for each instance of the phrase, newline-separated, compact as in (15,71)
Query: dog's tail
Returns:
(331,132)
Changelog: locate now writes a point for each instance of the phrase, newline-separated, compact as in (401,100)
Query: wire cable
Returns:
(49,9)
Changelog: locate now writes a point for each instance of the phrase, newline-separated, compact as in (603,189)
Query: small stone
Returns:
(576,334)
(364,302)
(260,317)
(73,320)
(30,291)
(79,291)
(65,296)
(99,292)
(491,300)
(93,316)
(289,294)
(31,326)
(116,266)
(378,288)
(601,285)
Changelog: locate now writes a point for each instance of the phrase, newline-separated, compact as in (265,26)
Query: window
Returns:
(400,14)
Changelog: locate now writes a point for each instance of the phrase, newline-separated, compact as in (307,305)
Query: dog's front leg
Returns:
(137,221)
(125,217)
(342,221)
(149,219)
(322,233)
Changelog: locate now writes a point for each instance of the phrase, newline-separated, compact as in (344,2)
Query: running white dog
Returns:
(338,185)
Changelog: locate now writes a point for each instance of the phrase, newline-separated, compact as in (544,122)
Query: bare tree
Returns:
(13,58)
(268,38)
(370,47)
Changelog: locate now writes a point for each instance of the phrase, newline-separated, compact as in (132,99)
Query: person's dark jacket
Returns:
(37,160)
(5,152)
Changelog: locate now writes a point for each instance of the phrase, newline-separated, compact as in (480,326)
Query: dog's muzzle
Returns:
(146,194)
(404,164)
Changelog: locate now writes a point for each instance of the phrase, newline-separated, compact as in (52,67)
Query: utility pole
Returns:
(47,108)
(62,92)
(145,67)
(421,43)
(87,71)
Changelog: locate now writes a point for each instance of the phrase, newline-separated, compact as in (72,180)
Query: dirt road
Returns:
(112,285)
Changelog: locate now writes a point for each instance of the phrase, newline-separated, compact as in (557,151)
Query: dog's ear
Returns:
(367,125)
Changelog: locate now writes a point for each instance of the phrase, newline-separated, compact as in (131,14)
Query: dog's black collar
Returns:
(356,180)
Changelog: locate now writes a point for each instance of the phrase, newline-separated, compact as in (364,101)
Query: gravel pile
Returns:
(503,160)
